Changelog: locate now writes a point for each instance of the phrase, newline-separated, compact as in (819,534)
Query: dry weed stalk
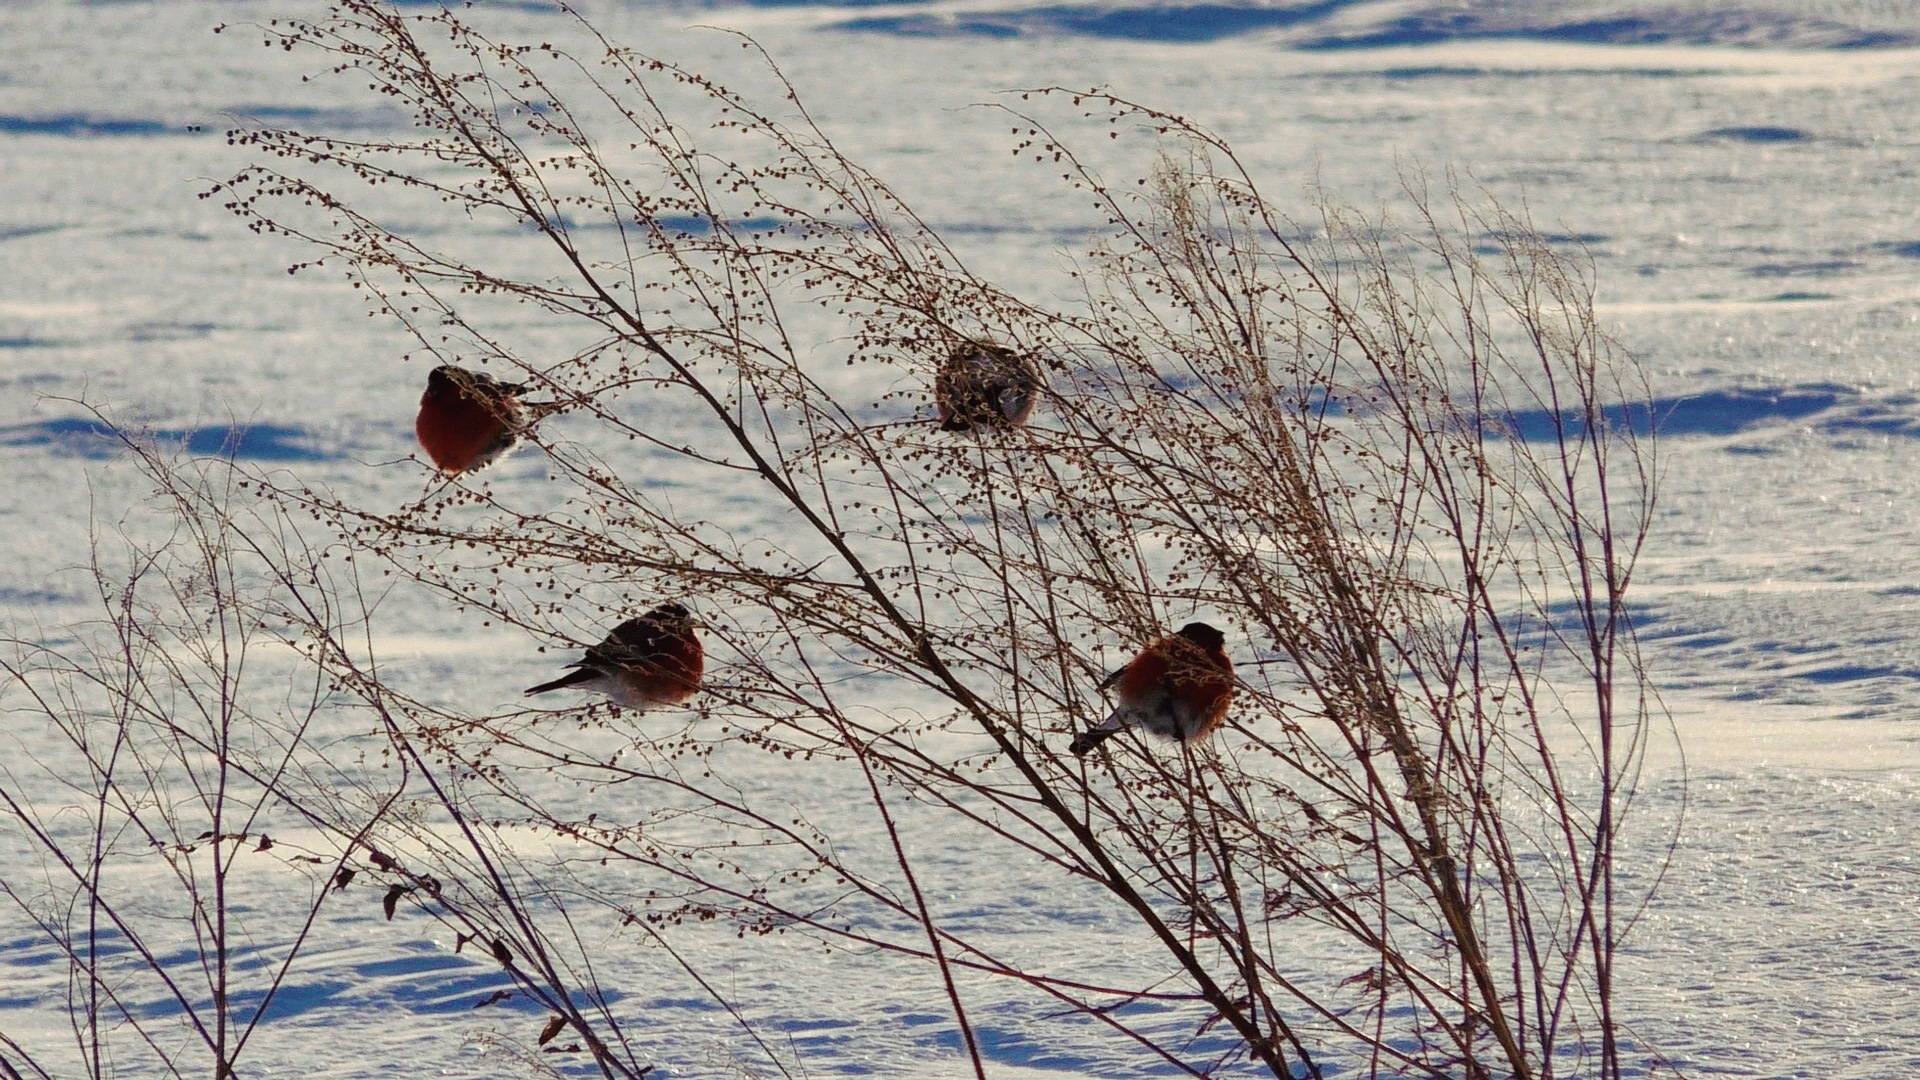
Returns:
(138,793)
(204,783)
(1310,436)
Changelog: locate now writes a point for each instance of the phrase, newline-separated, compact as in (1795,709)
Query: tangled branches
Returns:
(1386,462)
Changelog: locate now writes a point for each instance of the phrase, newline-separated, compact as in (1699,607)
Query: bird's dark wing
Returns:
(482,385)
(633,642)
(1107,683)
(1012,376)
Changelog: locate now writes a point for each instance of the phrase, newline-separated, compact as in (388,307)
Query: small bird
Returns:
(655,659)
(468,418)
(984,385)
(1178,687)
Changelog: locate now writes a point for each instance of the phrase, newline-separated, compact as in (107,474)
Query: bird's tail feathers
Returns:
(1099,733)
(571,678)
(1087,740)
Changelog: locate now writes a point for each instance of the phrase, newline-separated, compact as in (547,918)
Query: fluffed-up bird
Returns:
(1178,687)
(469,418)
(655,659)
(984,385)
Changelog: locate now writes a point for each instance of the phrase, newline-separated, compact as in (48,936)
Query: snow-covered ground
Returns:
(1746,180)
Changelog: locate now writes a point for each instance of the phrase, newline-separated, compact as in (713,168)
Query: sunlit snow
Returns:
(1746,180)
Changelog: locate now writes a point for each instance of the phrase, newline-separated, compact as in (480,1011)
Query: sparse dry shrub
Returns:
(1385,457)
(146,753)
(203,789)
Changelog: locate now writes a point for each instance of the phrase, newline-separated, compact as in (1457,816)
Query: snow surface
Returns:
(1745,179)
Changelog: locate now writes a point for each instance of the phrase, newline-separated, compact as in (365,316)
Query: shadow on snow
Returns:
(1182,23)
(1434,25)
(91,438)
(1836,409)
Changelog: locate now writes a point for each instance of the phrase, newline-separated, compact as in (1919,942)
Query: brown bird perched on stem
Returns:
(655,659)
(1178,687)
(983,385)
(469,418)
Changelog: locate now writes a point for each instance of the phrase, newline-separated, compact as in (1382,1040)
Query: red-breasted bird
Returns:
(655,659)
(984,385)
(1178,687)
(469,418)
